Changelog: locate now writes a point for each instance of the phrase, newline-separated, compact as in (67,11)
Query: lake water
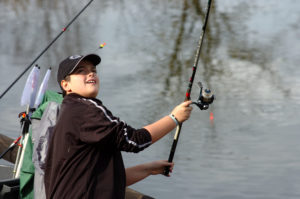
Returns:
(250,59)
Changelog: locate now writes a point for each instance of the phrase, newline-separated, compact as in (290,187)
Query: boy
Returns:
(84,157)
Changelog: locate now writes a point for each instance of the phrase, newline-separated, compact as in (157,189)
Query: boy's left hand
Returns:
(158,167)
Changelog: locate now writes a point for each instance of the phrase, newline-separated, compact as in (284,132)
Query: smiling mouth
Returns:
(91,82)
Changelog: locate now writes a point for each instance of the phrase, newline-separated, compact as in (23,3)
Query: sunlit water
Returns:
(249,59)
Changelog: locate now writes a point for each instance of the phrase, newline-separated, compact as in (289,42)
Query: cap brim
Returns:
(93,58)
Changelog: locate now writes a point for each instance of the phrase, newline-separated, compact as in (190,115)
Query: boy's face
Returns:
(83,81)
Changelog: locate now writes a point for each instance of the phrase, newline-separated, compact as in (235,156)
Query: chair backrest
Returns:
(41,135)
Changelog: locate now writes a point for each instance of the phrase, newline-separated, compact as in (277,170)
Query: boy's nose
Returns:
(92,73)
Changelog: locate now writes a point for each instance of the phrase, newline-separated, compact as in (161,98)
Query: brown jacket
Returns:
(84,157)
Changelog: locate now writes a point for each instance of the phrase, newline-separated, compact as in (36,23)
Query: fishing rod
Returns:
(28,99)
(11,146)
(205,97)
(25,124)
(47,47)
(31,97)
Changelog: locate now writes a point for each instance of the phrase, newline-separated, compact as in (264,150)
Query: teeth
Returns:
(91,81)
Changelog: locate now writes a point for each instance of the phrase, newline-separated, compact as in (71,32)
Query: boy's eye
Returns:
(79,71)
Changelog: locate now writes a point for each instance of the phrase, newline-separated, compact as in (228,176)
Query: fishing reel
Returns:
(205,98)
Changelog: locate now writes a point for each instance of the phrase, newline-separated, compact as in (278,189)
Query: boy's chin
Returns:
(91,95)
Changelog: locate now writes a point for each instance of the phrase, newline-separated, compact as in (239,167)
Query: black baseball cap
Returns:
(67,66)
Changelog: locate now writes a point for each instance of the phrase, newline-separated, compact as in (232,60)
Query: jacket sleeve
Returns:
(100,126)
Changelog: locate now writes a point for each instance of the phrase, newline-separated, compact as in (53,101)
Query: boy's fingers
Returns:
(170,165)
(167,163)
(187,103)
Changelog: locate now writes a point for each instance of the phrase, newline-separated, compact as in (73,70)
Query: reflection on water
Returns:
(249,59)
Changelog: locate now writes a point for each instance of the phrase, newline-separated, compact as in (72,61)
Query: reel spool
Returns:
(206,98)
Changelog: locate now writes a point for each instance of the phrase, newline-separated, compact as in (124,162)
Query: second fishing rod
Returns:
(45,49)
(205,97)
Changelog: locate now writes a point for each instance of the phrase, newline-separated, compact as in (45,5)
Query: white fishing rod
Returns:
(32,99)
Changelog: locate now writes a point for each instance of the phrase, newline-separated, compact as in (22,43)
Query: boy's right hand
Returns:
(183,111)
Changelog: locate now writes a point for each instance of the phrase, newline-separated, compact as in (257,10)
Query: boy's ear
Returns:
(65,85)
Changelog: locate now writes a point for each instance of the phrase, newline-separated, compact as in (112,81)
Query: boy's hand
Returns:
(183,111)
(158,167)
